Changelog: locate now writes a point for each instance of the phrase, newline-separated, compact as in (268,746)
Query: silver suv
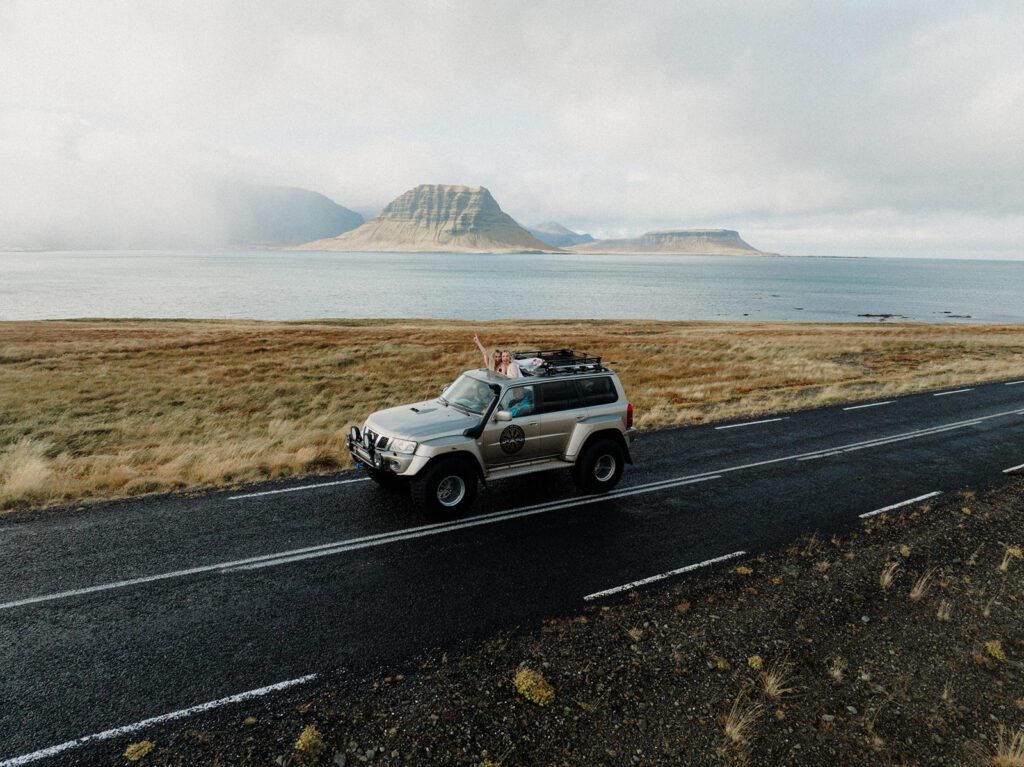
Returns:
(568,411)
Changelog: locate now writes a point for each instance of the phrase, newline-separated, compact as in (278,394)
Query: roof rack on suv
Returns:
(562,362)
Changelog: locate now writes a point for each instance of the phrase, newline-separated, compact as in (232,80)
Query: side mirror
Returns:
(503,415)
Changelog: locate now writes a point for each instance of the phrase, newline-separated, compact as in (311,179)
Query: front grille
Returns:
(372,440)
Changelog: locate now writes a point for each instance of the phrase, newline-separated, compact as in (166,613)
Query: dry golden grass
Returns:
(945,611)
(1009,750)
(837,670)
(921,585)
(741,721)
(101,409)
(1011,553)
(776,679)
(888,574)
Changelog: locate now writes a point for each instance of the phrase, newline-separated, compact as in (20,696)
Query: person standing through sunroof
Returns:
(492,360)
(498,361)
(509,367)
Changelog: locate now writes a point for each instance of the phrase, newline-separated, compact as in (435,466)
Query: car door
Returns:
(504,442)
(560,409)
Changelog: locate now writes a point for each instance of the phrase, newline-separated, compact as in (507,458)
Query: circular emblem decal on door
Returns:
(512,439)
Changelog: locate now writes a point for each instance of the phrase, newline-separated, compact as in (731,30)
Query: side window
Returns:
(597,391)
(518,401)
(558,395)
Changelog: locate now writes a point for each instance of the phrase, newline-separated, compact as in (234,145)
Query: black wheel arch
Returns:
(462,456)
(612,434)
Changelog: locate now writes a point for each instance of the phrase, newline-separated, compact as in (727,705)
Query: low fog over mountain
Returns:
(207,215)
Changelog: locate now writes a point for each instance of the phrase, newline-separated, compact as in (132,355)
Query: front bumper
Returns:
(399,464)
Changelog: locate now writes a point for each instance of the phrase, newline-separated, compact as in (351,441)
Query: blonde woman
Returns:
(492,360)
(499,361)
(509,367)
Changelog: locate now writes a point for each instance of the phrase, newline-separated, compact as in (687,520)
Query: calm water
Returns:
(301,285)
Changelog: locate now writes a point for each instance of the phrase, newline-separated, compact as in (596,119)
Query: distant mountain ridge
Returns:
(279,215)
(438,217)
(196,215)
(675,241)
(558,236)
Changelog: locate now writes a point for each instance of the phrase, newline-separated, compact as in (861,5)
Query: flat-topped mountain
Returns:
(438,217)
(679,241)
(558,236)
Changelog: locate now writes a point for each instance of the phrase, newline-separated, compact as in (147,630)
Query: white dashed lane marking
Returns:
(946,393)
(750,423)
(872,404)
(901,504)
(297,489)
(662,576)
(127,729)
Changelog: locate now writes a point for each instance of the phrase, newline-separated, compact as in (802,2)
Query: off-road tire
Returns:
(599,467)
(387,481)
(446,489)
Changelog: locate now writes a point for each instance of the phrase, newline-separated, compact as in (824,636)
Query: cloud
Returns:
(841,125)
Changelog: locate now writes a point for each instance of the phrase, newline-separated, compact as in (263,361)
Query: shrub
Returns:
(533,686)
(136,751)
(310,745)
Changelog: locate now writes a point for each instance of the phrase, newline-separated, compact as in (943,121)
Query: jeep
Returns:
(567,411)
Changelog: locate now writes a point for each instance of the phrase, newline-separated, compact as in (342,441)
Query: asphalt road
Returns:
(154,607)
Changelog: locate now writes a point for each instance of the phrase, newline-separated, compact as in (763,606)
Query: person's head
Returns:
(497,357)
(506,357)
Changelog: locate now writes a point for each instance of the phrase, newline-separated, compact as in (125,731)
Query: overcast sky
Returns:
(812,127)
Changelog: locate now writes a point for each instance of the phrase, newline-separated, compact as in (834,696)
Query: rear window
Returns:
(597,391)
(558,395)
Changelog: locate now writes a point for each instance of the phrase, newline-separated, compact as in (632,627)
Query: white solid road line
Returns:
(117,732)
(750,423)
(873,404)
(900,504)
(958,391)
(1013,383)
(296,489)
(663,576)
(1013,469)
(499,516)
(889,440)
(420,532)
(377,539)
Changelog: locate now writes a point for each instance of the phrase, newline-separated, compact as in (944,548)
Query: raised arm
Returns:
(483,351)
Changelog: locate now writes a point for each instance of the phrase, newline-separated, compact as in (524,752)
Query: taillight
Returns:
(629,416)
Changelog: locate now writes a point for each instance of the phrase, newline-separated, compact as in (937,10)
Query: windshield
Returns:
(470,394)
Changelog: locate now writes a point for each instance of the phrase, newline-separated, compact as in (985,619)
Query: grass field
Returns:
(102,409)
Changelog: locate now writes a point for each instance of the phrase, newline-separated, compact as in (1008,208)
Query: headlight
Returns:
(403,446)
